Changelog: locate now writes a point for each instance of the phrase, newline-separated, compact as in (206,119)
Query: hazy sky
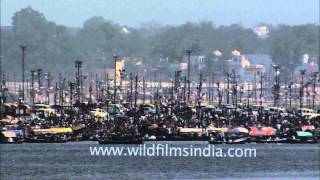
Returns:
(134,12)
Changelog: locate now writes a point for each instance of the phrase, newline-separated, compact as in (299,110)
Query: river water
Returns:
(73,161)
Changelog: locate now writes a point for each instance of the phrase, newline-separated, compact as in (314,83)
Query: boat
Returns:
(50,135)
(262,135)
(10,137)
(217,135)
(302,137)
(45,138)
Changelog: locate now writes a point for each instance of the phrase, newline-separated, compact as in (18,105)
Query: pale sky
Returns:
(134,12)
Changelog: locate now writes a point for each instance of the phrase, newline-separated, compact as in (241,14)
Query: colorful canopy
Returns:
(60,130)
(9,134)
(52,131)
(215,129)
(239,130)
(190,130)
(264,131)
(307,127)
(304,134)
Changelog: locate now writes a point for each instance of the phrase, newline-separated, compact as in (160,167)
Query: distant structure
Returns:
(247,64)
(262,31)
(310,64)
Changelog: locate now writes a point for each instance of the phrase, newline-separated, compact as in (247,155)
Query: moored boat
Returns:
(10,137)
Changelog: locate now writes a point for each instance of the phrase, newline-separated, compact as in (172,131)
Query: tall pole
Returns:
(184,88)
(49,79)
(314,80)
(144,90)
(302,72)
(71,84)
(208,86)
(97,88)
(189,51)
(23,48)
(219,94)
(136,91)
(32,86)
(55,94)
(228,86)
(255,88)
(261,90)
(39,78)
(199,98)
(115,79)
(131,89)
(78,65)
(276,85)
(61,97)
(212,88)
(290,94)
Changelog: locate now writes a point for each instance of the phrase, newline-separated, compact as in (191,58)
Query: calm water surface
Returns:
(73,161)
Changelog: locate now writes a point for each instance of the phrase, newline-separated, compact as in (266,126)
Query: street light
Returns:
(189,51)
(314,81)
(78,65)
(276,85)
(33,72)
(302,72)
(23,48)
(115,79)
(39,77)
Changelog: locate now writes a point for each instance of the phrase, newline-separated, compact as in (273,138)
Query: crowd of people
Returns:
(157,120)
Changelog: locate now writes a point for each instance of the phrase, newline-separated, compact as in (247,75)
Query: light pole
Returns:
(302,72)
(115,79)
(122,75)
(290,94)
(78,65)
(261,89)
(189,51)
(228,86)
(23,48)
(39,77)
(314,81)
(32,86)
(276,85)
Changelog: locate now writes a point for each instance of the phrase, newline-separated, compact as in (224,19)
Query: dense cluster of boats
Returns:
(119,124)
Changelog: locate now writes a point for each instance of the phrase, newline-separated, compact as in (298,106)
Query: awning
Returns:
(190,130)
(239,130)
(264,131)
(52,131)
(9,134)
(307,127)
(60,130)
(304,134)
(218,129)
